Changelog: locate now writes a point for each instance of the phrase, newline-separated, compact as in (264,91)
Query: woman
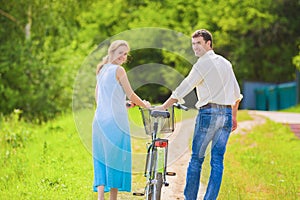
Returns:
(111,138)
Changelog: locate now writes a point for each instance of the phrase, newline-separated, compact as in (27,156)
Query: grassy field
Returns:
(43,161)
(263,164)
(294,109)
(49,161)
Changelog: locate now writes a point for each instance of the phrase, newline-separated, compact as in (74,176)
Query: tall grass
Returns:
(43,161)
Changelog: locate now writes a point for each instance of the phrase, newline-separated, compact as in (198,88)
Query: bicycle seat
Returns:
(160,113)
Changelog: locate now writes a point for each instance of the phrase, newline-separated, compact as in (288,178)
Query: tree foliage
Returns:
(44,43)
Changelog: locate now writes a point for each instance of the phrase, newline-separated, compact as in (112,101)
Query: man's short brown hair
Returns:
(207,36)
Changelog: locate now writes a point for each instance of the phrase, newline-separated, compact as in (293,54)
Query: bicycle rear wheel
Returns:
(159,184)
(150,172)
(154,185)
(153,191)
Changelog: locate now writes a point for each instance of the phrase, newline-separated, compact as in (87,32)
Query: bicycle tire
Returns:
(157,187)
(159,184)
(151,169)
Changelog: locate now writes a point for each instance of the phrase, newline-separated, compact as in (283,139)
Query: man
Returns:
(218,95)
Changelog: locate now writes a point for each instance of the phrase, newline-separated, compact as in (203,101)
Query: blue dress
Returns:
(111,137)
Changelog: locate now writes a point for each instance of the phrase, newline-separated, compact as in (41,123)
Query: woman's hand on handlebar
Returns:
(147,104)
(130,104)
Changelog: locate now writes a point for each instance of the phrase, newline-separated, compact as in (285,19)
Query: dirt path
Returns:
(179,155)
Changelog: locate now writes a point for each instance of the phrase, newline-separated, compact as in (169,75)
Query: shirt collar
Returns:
(209,52)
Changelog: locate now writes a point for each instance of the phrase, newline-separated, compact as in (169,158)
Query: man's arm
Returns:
(168,103)
(185,87)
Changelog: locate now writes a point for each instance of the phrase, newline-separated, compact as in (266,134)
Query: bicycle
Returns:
(155,122)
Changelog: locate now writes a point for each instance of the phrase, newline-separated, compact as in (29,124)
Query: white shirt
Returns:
(214,79)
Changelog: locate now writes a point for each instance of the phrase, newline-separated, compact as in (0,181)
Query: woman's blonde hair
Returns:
(113,46)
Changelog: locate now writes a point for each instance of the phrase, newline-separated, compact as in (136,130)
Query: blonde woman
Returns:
(111,138)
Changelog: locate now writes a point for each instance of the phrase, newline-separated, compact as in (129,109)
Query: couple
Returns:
(218,100)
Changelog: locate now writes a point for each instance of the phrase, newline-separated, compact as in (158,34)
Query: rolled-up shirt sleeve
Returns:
(187,85)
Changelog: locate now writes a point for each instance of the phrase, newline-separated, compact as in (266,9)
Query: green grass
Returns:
(50,161)
(43,161)
(243,115)
(294,109)
(263,164)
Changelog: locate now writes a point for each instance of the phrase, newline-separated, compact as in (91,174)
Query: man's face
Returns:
(200,47)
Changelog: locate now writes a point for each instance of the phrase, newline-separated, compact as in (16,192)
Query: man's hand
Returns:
(234,124)
(234,114)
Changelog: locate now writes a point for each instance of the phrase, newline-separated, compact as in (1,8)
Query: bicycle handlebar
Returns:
(160,113)
(180,106)
(177,105)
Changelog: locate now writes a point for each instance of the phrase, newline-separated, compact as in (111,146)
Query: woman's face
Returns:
(120,55)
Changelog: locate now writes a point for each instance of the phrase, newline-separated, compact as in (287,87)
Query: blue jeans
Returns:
(212,125)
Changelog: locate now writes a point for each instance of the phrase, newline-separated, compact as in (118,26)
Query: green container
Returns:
(287,95)
(261,98)
(272,97)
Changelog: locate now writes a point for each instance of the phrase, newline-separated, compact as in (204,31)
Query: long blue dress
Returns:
(111,137)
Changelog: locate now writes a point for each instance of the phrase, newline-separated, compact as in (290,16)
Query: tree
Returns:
(36,39)
(43,45)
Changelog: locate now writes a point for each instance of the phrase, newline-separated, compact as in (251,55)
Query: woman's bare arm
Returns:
(123,80)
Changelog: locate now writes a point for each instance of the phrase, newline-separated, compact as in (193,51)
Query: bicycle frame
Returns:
(155,171)
(157,152)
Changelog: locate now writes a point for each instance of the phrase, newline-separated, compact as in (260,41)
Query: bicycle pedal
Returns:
(138,194)
(171,173)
